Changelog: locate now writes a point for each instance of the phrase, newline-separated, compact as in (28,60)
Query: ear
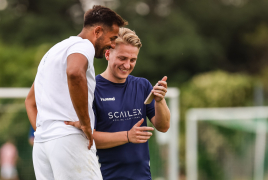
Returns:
(107,54)
(98,31)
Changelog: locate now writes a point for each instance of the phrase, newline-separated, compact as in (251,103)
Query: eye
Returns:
(121,58)
(113,38)
(133,60)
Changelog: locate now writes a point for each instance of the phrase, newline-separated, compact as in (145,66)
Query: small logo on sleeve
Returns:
(108,99)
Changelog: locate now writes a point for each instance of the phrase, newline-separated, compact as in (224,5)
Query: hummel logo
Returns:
(108,99)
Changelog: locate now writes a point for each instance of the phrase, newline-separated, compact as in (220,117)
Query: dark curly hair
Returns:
(103,15)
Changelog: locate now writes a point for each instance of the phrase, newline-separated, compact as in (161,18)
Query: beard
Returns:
(99,48)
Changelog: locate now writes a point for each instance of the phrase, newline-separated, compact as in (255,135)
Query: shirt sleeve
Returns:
(150,111)
(31,132)
(85,48)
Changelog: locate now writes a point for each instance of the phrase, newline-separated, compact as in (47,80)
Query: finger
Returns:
(160,88)
(145,128)
(139,123)
(159,96)
(69,123)
(142,141)
(162,83)
(164,78)
(144,133)
(143,137)
(159,92)
(89,145)
(90,142)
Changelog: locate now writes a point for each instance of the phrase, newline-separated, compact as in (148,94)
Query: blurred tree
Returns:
(18,65)
(197,36)
(32,22)
(180,38)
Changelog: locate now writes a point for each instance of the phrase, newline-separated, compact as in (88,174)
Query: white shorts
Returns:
(66,158)
(8,172)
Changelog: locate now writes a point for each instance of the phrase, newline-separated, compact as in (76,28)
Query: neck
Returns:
(110,77)
(86,33)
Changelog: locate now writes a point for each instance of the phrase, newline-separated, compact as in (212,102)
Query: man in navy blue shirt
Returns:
(121,133)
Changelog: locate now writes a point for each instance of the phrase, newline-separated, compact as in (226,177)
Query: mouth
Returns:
(123,70)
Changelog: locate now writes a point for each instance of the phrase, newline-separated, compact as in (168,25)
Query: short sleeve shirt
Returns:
(118,107)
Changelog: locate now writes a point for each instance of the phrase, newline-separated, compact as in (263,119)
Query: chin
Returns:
(121,77)
(99,56)
(124,77)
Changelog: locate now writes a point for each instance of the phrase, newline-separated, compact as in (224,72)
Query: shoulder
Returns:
(98,78)
(85,43)
(102,83)
(76,44)
(138,80)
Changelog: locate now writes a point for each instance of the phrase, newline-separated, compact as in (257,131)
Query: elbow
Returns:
(26,102)
(164,129)
(98,145)
(29,103)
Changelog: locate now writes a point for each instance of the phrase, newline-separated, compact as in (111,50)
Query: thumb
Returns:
(69,123)
(138,124)
(164,78)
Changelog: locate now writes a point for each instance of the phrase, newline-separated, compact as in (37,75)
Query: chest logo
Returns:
(108,99)
(125,114)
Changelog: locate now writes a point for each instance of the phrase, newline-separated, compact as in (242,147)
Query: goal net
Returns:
(226,143)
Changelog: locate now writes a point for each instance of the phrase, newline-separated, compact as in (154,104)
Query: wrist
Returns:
(86,127)
(127,138)
(160,101)
(85,122)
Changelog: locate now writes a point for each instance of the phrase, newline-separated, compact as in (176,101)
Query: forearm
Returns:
(162,116)
(79,95)
(32,114)
(31,107)
(105,140)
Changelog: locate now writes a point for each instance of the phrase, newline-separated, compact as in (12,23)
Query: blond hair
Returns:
(128,36)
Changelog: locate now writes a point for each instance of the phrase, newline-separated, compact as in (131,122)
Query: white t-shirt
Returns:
(52,95)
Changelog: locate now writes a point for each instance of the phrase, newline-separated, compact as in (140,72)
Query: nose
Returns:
(127,65)
(113,44)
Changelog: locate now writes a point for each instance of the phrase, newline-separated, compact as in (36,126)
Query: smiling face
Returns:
(106,41)
(121,62)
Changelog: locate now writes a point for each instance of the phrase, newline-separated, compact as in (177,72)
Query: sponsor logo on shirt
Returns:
(124,114)
(108,99)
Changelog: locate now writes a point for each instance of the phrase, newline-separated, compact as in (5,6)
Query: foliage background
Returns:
(215,51)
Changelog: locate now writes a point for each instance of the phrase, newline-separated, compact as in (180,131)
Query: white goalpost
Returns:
(170,138)
(14,92)
(257,117)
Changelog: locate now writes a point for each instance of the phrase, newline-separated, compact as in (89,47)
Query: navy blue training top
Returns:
(118,107)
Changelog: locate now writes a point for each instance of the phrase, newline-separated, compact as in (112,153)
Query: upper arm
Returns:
(79,55)
(153,120)
(76,63)
(30,99)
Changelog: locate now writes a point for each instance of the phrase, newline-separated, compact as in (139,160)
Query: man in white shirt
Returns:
(63,90)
